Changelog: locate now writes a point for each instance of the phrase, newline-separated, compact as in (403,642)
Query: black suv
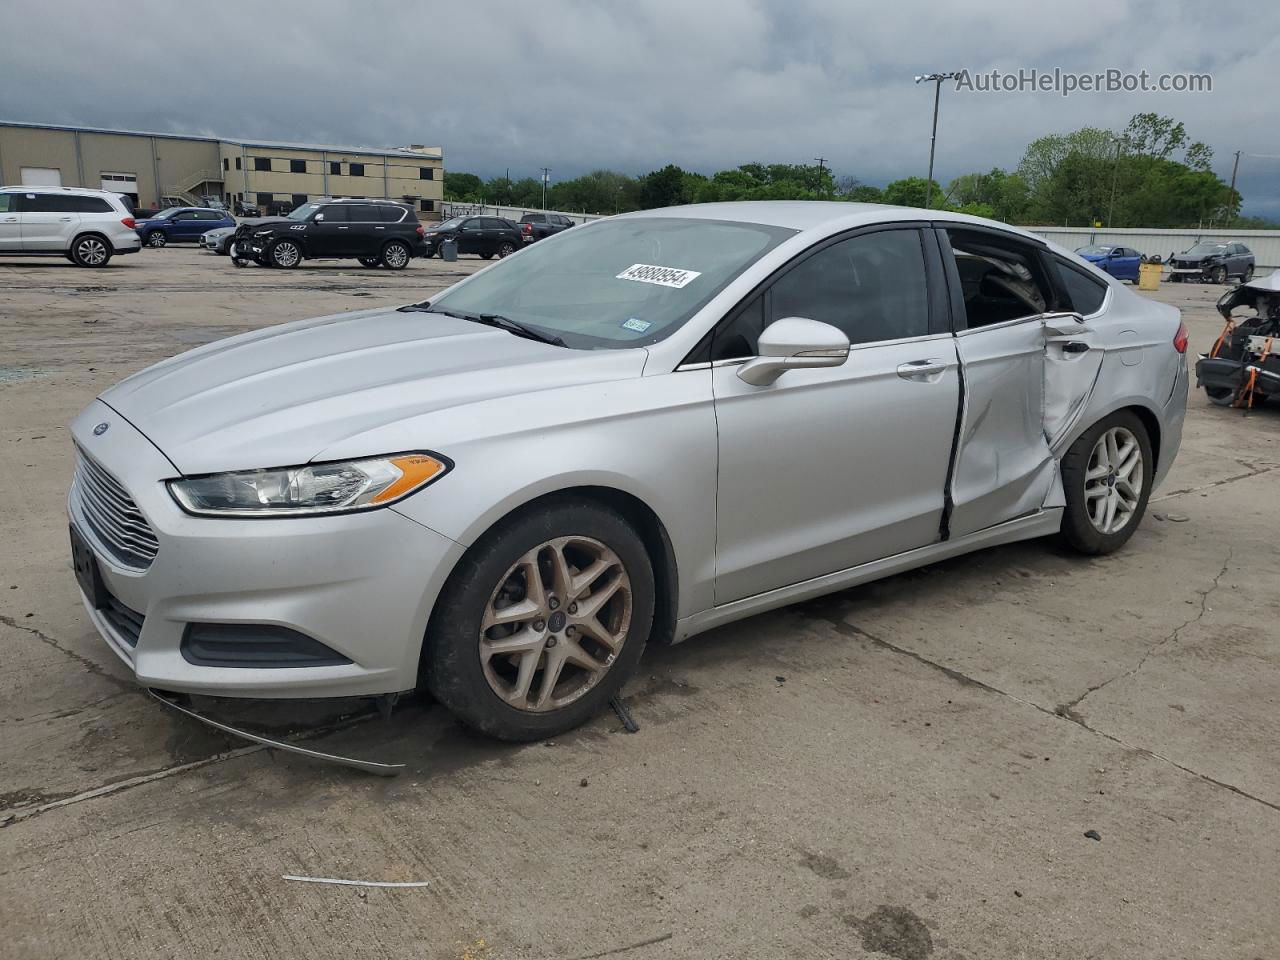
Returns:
(482,235)
(1212,261)
(375,232)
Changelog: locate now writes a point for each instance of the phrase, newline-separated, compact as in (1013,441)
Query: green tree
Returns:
(465,187)
(667,187)
(910,192)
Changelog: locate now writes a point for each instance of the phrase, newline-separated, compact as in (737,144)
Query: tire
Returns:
(284,254)
(1220,396)
(370,261)
(90,250)
(156,239)
(396,255)
(1079,528)
(1247,275)
(1218,275)
(453,664)
(506,249)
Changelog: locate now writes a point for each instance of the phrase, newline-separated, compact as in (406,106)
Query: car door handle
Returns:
(344,228)
(10,219)
(926,370)
(65,219)
(1075,346)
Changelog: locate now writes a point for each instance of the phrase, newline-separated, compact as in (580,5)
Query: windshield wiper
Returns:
(490,320)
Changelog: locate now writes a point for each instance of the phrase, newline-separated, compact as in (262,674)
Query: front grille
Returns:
(113,516)
(126,622)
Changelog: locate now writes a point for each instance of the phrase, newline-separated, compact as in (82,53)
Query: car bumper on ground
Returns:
(350,595)
(1220,373)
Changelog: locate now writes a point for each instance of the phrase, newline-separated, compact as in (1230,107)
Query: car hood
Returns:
(283,395)
(1092,257)
(265,222)
(1197,257)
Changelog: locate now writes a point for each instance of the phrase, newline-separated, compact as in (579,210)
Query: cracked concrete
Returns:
(927,748)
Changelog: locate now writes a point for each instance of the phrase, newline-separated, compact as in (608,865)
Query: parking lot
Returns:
(906,769)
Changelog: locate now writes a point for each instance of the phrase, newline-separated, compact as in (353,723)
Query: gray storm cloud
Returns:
(702,83)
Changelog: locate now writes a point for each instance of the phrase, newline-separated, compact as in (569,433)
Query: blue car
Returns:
(181,223)
(1121,262)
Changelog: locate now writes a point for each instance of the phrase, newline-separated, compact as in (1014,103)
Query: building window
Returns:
(299,199)
(264,201)
(262,163)
(297,166)
(226,163)
(237,163)
(426,204)
(357,169)
(335,168)
(426,173)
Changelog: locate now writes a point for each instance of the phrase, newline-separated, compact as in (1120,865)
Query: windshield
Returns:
(449,224)
(616,283)
(1204,249)
(1094,250)
(303,212)
(166,214)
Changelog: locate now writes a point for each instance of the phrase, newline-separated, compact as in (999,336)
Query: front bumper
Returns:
(1219,373)
(362,584)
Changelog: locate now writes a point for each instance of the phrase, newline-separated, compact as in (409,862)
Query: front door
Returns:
(826,469)
(329,232)
(1028,372)
(473,237)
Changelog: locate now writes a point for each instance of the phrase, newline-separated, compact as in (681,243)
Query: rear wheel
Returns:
(506,248)
(1107,477)
(90,251)
(284,253)
(1247,275)
(395,255)
(542,621)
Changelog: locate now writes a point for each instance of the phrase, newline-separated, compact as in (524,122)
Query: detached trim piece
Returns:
(368,766)
(256,645)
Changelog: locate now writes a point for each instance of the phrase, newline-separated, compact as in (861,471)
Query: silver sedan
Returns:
(633,431)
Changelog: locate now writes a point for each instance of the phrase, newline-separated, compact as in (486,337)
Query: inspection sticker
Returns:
(662,276)
(636,324)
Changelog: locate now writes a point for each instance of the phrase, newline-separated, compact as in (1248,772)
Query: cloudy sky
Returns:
(638,84)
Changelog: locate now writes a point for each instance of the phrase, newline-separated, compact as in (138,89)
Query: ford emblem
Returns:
(100,429)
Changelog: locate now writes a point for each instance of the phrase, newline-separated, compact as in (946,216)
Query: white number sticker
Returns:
(662,276)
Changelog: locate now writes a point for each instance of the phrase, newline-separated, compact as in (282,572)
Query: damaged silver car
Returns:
(633,431)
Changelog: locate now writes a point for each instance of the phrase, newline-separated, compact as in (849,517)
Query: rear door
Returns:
(10,224)
(366,233)
(48,221)
(1021,361)
(826,469)
(1127,261)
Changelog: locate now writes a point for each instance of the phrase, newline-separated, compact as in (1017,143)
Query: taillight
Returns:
(526,228)
(1180,338)
(418,230)
(129,222)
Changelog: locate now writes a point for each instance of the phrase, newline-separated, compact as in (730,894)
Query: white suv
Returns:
(86,226)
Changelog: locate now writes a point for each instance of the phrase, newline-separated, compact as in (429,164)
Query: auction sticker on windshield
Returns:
(662,276)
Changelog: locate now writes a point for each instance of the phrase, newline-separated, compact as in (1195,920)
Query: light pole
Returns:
(546,175)
(936,79)
(1115,170)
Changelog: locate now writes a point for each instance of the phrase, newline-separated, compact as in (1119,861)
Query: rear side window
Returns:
(92,205)
(872,287)
(6,203)
(365,213)
(1085,292)
(389,213)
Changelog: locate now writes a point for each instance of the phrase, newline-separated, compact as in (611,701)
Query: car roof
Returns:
(76,191)
(820,215)
(398,203)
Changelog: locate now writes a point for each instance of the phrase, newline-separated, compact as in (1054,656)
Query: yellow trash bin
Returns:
(1149,276)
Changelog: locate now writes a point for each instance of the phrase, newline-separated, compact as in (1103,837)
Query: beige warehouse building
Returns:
(152,168)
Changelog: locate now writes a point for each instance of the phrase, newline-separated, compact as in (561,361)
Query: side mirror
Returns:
(794,343)
(319,217)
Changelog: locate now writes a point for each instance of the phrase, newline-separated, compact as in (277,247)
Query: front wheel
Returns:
(285,253)
(90,251)
(157,239)
(1218,275)
(542,621)
(395,255)
(1107,477)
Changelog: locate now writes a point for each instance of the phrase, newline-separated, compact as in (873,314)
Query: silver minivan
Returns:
(88,227)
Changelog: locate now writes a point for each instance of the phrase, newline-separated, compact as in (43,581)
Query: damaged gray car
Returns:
(1242,368)
(633,431)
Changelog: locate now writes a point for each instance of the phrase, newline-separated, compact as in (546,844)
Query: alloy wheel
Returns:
(92,252)
(555,623)
(286,254)
(396,256)
(1113,480)
(157,239)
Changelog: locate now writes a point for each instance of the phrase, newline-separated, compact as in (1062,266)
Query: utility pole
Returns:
(822,164)
(936,79)
(546,175)
(1115,169)
(1235,167)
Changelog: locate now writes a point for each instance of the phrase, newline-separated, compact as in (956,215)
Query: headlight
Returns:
(340,487)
